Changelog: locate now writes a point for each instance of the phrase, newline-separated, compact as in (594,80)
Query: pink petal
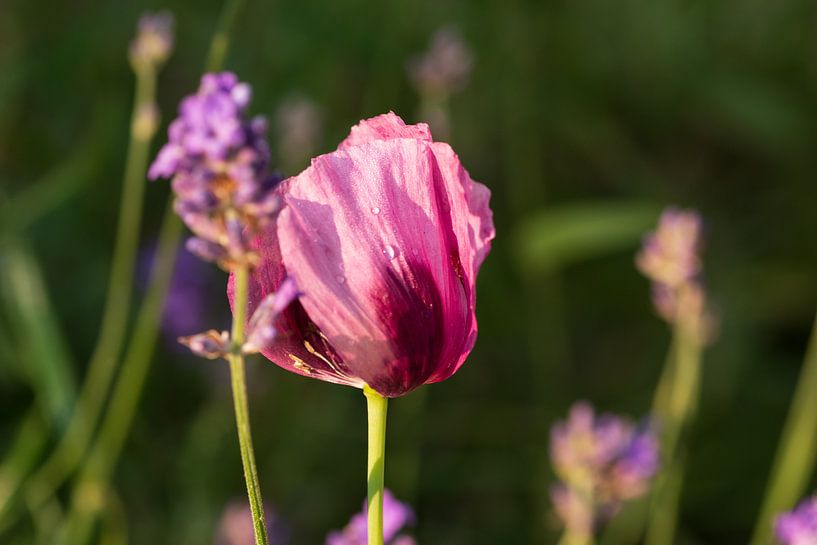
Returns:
(384,127)
(299,346)
(385,237)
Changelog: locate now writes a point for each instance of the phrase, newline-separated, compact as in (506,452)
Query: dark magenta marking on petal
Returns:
(411,307)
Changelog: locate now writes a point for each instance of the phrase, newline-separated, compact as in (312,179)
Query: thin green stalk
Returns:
(96,473)
(377,407)
(22,454)
(242,413)
(221,39)
(795,458)
(574,538)
(676,403)
(126,394)
(664,518)
(101,369)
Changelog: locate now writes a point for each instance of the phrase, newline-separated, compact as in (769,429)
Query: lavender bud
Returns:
(261,332)
(670,255)
(210,344)
(153,42)
(205,249)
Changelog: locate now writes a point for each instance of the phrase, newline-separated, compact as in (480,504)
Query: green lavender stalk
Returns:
(102,367)
(675,404)
(96,474)
(797,452)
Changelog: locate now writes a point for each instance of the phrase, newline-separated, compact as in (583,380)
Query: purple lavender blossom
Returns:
(186,305)
(236,527)
(602,461)
(218,160)
(798,527)
(670,257)
(396,515)
(153,42)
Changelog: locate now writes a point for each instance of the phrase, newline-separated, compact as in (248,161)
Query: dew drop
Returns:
(341,279)
(390,251)
(375,210)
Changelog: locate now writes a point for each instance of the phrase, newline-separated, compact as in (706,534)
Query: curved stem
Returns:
(675,404)
(797,451)
(242,416)
(376,406)
(101,369)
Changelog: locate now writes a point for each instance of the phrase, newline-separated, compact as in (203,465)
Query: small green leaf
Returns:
(560,236)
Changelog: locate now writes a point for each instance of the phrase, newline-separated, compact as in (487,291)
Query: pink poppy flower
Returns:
(384,238)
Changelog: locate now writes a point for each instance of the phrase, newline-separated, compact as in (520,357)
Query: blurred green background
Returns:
(584,117)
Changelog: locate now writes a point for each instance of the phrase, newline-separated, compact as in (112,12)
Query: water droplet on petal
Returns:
(390,251)
(375,210)
(340,279)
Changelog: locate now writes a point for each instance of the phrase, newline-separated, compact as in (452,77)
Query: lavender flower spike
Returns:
(602,461)
(218,159)
(396,515)
(798,527)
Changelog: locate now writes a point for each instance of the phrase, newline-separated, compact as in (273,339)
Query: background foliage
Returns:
(584,117)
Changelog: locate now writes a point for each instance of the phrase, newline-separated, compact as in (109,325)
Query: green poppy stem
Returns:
(377,406)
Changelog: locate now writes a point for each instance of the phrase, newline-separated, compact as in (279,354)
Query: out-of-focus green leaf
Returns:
(21,209)
(43,354)
(560,236)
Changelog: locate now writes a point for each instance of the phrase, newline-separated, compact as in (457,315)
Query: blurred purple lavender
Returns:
(799,526)
(236,528)
(445,68)
(602,461)
(219,162)
(298,131)
(153,42)
(186,305)
(396,515)
(442,71)
(671,258)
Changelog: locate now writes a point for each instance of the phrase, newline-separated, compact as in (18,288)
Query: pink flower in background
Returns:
(396,516)
(384,237)
(799,526)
